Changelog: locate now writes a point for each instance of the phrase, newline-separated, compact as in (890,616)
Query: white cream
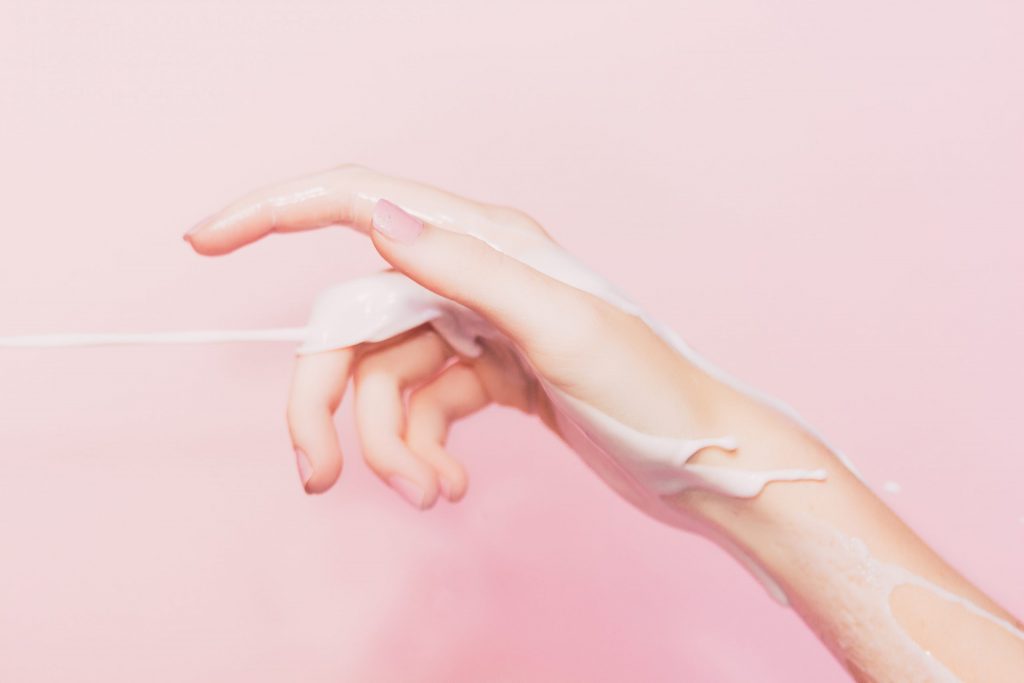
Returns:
(383,305)
(641,467)
(840,575)
(51,341)
(891,486)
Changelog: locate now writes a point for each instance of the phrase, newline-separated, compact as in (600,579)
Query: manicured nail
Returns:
(391,221)
(304,465)
(446,488)
(409,490)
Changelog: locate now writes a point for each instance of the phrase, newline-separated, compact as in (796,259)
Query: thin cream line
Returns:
(49,341)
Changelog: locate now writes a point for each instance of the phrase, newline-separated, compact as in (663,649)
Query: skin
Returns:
(409,391)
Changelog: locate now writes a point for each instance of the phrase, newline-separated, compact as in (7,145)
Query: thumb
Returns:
(522,302)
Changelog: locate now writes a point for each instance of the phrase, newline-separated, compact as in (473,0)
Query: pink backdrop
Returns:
(825,200)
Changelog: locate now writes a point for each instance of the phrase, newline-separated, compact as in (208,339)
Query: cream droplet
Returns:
(892,487)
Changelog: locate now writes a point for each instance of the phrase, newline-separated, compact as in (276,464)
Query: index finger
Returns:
(341,196)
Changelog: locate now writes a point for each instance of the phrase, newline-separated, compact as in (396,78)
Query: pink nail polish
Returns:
(409,490)
(304,465)
(391,221)
(446,489)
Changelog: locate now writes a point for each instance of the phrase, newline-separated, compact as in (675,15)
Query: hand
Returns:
(552,334)
(560,342)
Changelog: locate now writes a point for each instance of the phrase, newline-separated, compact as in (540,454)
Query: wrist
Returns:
(769,524)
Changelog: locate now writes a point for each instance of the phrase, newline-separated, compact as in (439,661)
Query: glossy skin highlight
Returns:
(808,537)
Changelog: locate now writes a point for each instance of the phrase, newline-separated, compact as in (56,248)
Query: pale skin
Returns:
(408,391)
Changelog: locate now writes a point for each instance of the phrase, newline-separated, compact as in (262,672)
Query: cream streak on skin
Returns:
(643,468)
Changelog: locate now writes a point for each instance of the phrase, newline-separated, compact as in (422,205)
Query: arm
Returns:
(870,588)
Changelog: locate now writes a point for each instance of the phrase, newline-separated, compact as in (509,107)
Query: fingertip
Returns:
(304,466)
(194,235)
(415,481)
(320,476)
(318,458)
(208,243)
(197,243)
(187,238)
(418,494)
(452,480)
(200,226)
(453,488)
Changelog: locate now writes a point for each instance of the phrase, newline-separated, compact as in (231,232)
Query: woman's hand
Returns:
(880,598)
(410,389)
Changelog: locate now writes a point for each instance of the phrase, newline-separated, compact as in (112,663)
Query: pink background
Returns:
(824,198)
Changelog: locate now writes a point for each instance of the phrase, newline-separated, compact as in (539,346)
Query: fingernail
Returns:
(197,227)
(392,222)
(446,488)
(409,490)
(304,465)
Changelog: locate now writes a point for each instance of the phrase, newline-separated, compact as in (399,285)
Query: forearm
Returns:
(872,590)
